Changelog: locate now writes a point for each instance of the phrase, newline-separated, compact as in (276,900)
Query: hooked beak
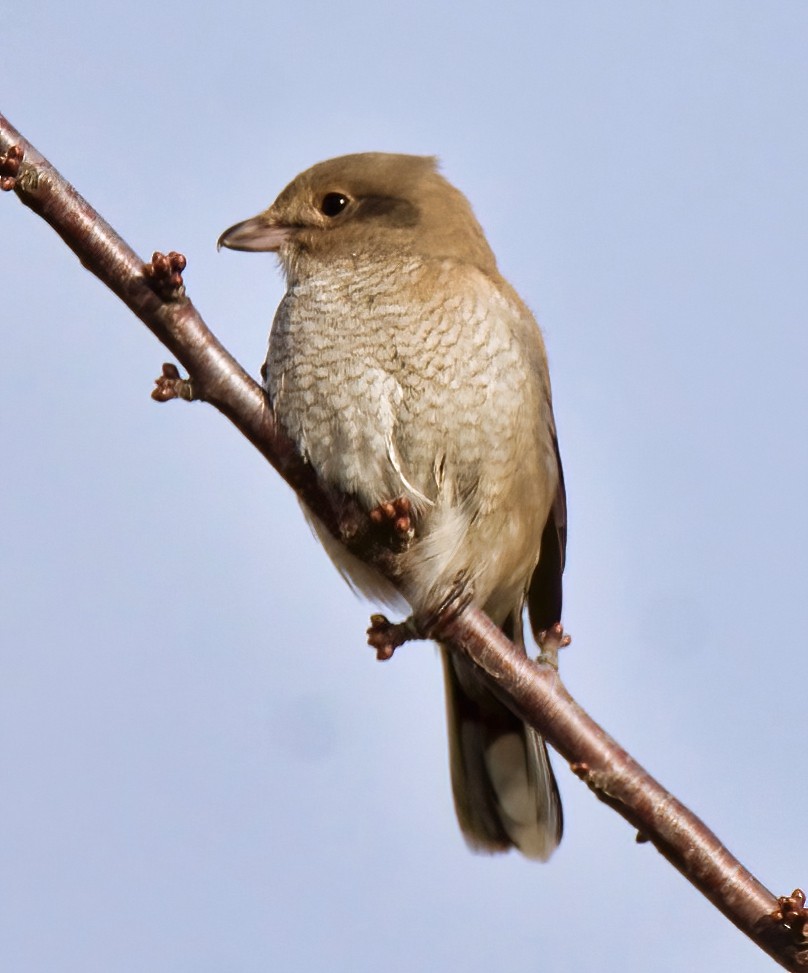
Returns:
(256,234)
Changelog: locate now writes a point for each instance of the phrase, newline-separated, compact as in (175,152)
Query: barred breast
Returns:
(426,380)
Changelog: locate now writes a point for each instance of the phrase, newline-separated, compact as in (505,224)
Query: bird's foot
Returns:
(550,641)
(460,596)
(397,517)
(386,636)
(164,271)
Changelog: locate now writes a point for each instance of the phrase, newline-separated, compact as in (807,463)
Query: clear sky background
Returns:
(202,767)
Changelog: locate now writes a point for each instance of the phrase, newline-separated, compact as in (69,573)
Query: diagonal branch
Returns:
(155,294)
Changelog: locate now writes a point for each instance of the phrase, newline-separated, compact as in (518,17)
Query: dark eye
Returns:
(333,204)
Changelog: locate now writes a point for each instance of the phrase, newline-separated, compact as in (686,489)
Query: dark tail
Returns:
(505,793)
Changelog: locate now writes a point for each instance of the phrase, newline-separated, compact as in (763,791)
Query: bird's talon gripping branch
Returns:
(9,167)
(386,636)
(456,601)
(397,517)
(170,385)
(550,641)
(165,273)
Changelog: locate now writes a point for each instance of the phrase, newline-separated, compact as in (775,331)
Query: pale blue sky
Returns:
(203,769)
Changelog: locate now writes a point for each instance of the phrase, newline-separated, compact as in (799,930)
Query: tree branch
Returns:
(154,292)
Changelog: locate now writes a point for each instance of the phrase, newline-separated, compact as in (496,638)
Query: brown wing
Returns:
(544,593)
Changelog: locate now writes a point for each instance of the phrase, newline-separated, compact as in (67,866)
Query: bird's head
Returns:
(371,203)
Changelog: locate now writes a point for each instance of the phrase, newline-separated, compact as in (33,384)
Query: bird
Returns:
(412,377)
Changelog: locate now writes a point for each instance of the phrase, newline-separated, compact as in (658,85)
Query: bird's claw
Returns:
(456,601)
